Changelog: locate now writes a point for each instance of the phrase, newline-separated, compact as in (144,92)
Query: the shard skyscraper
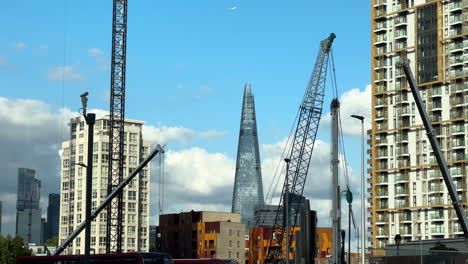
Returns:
(248,188)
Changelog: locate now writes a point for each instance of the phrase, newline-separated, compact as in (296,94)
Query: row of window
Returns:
(131,219)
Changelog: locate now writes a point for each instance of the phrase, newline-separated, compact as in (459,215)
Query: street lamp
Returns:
(363,197)
(90,120)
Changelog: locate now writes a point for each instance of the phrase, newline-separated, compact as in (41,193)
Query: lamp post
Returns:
(363,197)
(90,119)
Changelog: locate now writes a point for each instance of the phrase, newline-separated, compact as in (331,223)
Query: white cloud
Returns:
(61,73)
(165,135)
(353,102)
(95,52)
(232,8)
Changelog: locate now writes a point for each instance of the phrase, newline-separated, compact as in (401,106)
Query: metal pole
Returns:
(363,198)
(90,119)
(363,194)
(349,234)
(286,203)
(336,211)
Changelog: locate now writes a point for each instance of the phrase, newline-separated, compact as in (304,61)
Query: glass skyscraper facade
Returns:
(28,213)
(248,188)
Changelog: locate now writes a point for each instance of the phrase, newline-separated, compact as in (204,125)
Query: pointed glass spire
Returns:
(248,188)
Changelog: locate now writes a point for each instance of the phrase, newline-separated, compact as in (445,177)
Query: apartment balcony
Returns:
(402,192)
(380,64)
(381,102)
(435,116)
(405,111)
(455,47)
(455,32)
(380,39)
(458,87)
(457,172)
(400,99)
(381,88)
(405,217)
(399,178)
(403,163)
(458,101)
(456,61)
(380,27)
(457,73)
(381,219)
(401,203)
(381,10)
(456,113)
(398,46)
(406,231)
(381,180)
(380,3)
(400,34)
(400,21)
(455,20)
(382,126)
(458,157)
(382,205)
(437,216)
(455,6)
(380,115)
(459,186)
(381,233)
(381,50)
(403,123)
(434,175)
(457,229)
(402,138)
(458,144)
(438,230)
(381,142)
(382,155)
(402,151)
(436,201)
(380,77)
(436,188)
(382,194)
(435,92)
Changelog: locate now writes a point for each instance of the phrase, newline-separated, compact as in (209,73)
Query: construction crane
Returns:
(116,126)
(431,134)
(301,153)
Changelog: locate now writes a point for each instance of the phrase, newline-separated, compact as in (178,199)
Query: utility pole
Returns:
(336,208)
(363,194)
(349,198)
(286,204)
(90,120)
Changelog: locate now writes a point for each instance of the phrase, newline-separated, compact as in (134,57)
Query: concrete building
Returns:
(203,235)
(28,212)
(53,217)
(73,186)
(408,195)
(248,188)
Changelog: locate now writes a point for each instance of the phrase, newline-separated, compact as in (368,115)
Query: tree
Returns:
(12,248)
(51,242)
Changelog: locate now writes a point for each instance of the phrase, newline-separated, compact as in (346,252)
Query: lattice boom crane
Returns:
(301,150)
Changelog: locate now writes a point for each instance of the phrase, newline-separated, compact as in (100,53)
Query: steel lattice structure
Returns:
(116,126)
(301,150)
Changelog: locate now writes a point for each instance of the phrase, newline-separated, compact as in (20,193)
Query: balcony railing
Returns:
(381,179)
(400,33)
(400,20)
(402,177)
(436,201)
(438,230)
(436,188)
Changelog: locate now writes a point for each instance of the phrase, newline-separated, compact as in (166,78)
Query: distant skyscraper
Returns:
(248,188)
(28,213)
(53,215)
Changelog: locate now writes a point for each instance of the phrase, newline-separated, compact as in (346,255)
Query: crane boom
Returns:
(301,150)
(116,126)
(457,204)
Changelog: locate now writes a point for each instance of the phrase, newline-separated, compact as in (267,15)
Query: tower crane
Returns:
(300,153)
(116,126)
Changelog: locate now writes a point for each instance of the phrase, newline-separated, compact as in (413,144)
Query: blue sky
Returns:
(187,61)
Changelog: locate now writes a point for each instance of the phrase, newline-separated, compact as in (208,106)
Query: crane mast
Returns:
(116,126)
(431,135)
(301,151)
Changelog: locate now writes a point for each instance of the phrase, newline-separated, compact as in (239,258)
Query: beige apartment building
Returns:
(73,190)
(408,194)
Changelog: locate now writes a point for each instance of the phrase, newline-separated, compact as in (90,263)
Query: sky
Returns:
(187,64)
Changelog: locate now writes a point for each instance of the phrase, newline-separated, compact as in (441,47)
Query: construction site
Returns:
(106,163)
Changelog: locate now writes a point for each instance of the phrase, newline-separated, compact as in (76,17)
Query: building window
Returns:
(131,207)
(104,158)
(133,149)
(131,218)
(105,147)
(131,230)
(102,241)
(132,160)
(130,242)
(93,241)
(95,146)
(132,195)
(95,158)
(66,163)
(133,137)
